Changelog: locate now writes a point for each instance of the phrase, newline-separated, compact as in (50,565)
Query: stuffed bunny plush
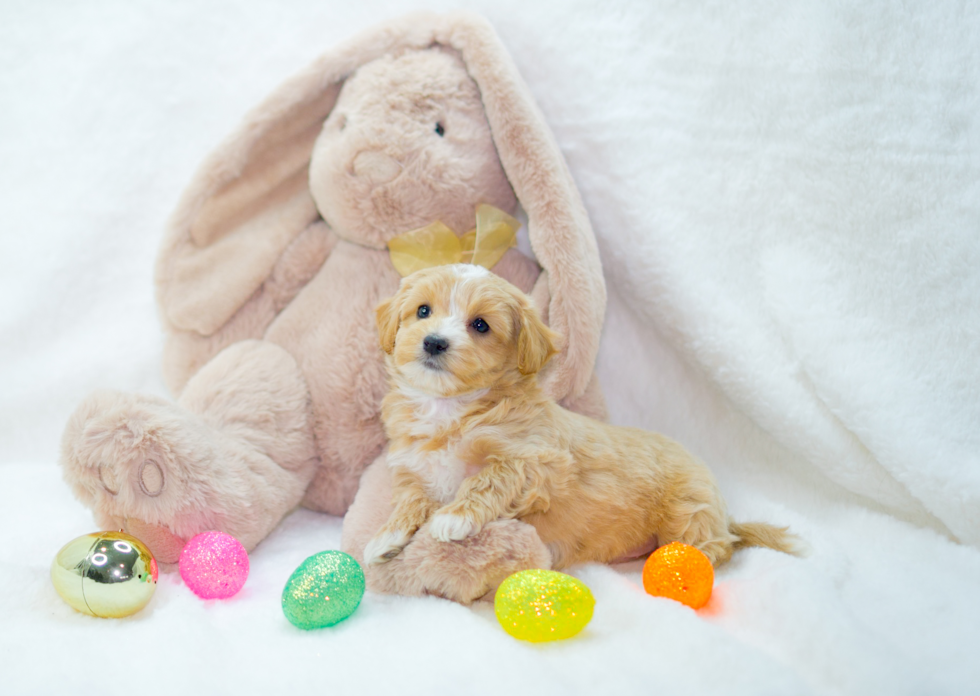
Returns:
(268,278)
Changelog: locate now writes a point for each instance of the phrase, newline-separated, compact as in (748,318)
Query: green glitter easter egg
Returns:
(543,605)
(323,591)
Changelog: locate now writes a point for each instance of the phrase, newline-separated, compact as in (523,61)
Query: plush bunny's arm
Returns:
(559,228)
(186,352)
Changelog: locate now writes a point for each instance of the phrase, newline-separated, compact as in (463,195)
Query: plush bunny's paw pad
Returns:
(147,476)
(118,450)
(385,546)
(450,527)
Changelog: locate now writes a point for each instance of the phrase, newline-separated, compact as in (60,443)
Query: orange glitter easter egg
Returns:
(681,572)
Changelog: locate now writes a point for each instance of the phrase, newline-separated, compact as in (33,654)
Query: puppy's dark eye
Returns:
(423,311)
(480,325)
(440,131)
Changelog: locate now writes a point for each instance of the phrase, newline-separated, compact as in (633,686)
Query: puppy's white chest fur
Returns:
(436,413)
(441,469)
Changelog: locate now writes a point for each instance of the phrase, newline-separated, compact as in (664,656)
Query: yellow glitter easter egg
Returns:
(681,572)
(543,605)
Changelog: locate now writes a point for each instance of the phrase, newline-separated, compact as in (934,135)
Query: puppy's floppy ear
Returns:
(535,342)
(388,317)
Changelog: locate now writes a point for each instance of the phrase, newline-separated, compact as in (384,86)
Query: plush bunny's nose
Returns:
(376,167)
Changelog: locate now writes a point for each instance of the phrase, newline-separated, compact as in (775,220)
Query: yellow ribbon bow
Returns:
(437,245)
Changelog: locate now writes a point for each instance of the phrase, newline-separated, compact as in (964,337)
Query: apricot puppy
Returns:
(474,439)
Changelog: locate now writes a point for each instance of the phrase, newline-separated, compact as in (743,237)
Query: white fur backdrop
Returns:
(787,200)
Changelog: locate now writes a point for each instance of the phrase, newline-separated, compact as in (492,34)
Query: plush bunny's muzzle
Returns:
(375,167)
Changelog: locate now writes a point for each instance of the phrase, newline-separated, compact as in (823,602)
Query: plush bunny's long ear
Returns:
(251,196)
(558,224)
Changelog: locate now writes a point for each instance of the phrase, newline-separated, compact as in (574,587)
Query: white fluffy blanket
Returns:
(787,200)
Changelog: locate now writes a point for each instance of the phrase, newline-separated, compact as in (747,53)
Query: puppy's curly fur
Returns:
(474,439)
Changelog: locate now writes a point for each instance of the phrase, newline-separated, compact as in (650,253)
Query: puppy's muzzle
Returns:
(435,345)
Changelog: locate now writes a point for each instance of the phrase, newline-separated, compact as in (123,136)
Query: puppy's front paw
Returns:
(449,527)
(385,546)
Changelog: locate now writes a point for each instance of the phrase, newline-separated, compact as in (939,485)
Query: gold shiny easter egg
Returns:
(543,605)
(105,574)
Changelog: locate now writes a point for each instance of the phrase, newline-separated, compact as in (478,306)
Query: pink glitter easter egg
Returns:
(214,565)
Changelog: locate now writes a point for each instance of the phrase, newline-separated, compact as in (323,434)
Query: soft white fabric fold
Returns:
(787,201)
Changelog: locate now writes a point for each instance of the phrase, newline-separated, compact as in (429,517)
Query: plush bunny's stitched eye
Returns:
(480,325)
(423,311)
(440,130)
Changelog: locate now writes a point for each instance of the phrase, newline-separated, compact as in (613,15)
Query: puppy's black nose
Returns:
(435,344)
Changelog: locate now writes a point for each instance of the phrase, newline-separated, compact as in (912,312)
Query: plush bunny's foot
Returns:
(464,571)
(132,457)
(234,461)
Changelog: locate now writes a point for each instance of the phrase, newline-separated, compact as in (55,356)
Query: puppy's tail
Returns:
(767,535)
